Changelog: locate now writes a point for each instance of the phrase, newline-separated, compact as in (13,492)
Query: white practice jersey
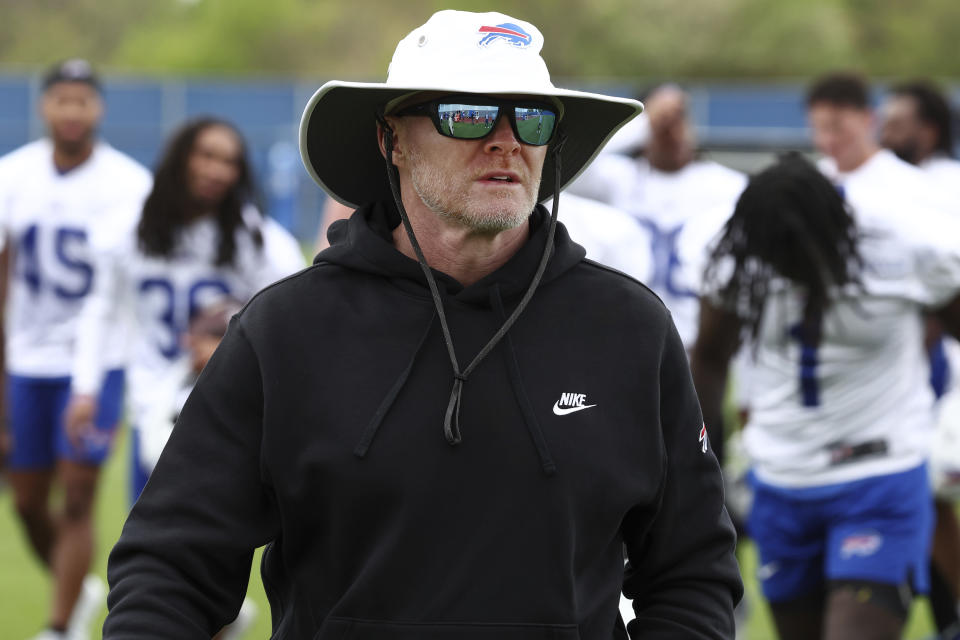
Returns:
(945,172)
(863,389)
(695,243)
(884,175)
(663,203)
(605,179)
(53,225)
(160,296)
(156,419)
(610,236)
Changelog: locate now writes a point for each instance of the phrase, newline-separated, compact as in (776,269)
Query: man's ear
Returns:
(391,130)
(380,143)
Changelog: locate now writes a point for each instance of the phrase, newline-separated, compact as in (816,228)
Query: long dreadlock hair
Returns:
(168,207)
(790,222)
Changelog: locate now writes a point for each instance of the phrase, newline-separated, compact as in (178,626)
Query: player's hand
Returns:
(79,417)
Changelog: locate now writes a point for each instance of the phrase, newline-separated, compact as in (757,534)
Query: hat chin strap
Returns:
(451,420)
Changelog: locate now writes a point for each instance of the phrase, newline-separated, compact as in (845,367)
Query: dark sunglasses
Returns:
(474,117)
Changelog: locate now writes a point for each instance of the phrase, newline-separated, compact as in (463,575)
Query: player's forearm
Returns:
(710,380)
(88,368)
(718,340)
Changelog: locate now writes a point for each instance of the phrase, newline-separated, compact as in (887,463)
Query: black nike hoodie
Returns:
(317,430)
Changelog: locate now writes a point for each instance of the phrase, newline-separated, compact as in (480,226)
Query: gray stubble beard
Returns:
(427,182)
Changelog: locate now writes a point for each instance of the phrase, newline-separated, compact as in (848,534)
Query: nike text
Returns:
(571,402)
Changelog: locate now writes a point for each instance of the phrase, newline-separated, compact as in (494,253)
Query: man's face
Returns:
(487,185)
(902,131)
(213,166)
(72,111)
(841,132)
(671,142)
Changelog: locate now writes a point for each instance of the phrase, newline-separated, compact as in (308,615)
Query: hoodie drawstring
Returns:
(451,420)
(371,431)
(516,381)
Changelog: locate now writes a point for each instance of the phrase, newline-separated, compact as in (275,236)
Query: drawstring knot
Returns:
(451,419)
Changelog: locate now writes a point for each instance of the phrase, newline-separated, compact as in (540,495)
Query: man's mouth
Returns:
(504,177)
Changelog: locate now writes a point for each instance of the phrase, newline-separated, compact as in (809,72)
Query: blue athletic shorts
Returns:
(35,415)
(877,529)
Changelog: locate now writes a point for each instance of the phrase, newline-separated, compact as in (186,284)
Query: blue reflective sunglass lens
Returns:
(535,124)
(465,121)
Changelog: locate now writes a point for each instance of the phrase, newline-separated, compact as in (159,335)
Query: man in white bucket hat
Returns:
(500,418)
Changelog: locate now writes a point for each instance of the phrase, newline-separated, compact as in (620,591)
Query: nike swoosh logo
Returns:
(562,412)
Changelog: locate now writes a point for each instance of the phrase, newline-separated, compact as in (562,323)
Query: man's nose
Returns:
(502,139)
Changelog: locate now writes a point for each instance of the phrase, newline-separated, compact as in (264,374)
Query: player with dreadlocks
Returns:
(199,239)
(812,240)
(204,172)
(830,290)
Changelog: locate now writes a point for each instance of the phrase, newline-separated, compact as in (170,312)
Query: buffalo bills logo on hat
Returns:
(508,32)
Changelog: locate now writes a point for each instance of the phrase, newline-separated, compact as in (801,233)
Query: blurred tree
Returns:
(908,37)
(612,40)
(41,32)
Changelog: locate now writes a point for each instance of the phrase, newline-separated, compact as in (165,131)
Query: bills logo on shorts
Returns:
(509,33)
(860,544)
(703,438)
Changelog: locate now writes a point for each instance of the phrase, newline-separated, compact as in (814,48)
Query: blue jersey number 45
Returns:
(67,243)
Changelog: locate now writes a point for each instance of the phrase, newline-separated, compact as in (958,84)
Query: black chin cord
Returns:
(451,419)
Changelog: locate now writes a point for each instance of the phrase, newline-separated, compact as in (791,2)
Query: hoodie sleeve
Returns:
(681,574)
(181,566)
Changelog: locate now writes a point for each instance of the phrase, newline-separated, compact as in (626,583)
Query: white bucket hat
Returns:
(454,52)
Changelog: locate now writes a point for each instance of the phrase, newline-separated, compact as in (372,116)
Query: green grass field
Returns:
(23,583)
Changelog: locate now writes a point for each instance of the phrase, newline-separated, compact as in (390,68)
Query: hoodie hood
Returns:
(364,243)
